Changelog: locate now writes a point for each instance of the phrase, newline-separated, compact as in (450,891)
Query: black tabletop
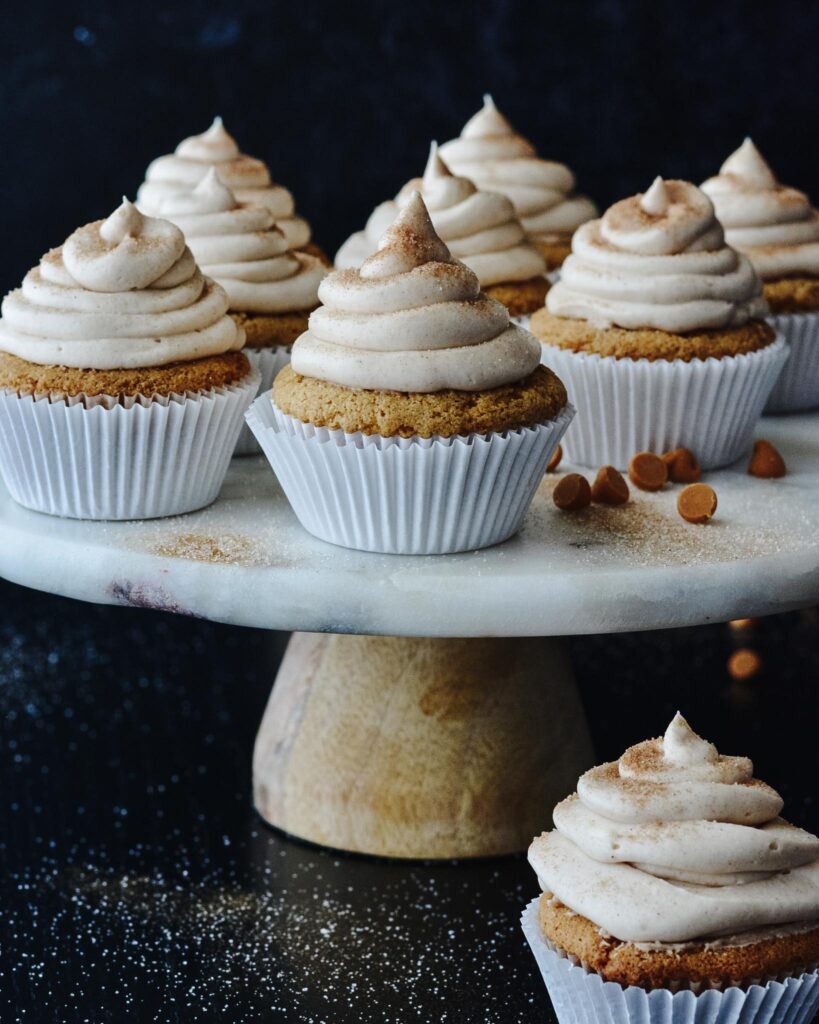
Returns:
(139,885)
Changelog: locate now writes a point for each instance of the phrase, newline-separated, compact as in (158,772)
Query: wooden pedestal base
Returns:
(423,748)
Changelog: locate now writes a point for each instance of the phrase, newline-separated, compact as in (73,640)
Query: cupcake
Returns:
(271,289)
(492,154)
(778,230)
(122,383)
(415,417)
(657,327)
(673,891)
(246,176)
(479,228)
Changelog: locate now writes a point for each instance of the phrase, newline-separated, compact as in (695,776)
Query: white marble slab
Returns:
(246,560)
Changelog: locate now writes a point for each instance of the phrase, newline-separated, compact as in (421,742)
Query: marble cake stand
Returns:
(436,747)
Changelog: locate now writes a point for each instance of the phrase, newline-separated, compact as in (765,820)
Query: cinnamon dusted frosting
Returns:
(248,178)
(480,228)
(775,225)
(239,245)
(658,260)
(675,843)
(412,319)
(120,293)
(493,155)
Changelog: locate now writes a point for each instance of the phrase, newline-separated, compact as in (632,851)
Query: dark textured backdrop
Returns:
(343,98)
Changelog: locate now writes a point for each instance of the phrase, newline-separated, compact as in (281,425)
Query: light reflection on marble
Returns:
(246,560)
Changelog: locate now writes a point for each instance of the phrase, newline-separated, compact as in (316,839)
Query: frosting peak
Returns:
(657,260)
(212,146)
(775,225)
(120,293)
(676,843)
(413,319)
(490,121)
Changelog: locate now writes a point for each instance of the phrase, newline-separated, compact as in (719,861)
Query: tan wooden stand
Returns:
(423,748)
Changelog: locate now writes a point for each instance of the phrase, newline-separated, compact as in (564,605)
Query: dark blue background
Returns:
(342,98)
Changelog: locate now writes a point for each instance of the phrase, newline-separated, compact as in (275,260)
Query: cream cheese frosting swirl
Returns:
(247,177)
(775,225)
(240,247)
(658,260)
(677,843)
(493,155)
(118,294)
(480,228)
(412,319)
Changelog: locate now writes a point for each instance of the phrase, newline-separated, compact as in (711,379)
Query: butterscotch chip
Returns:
(683,467)
(647,471)
(520,297)
(792,294)
(572,493)
(694,963)
(609,487)
(697,503)
(271,330)
(766,462)
(176,378)
(526,403)
(744,664)
(554,462)
(649,343)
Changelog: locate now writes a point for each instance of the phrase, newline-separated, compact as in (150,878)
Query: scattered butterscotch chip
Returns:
(683,467)
(766,461)
(572,493)
(697,503)
(741,624)
(609,487)
(744,664)
(647,471)
(554,462)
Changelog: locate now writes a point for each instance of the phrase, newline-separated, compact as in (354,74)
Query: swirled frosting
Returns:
(677,843)
(118,294)
(775,225)
(480,228)
(493,155)
(239,245)
(657,260)
(248,178)
(412,319)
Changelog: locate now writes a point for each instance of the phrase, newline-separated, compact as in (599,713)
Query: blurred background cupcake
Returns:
(271,289)
(672,889)
(480,228)
(248,178)
(122,387)
(657,327)
(778,229)
(415,417)
(493,155)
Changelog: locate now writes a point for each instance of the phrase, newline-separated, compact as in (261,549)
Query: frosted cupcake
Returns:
(122,383)
(657,327)
(271,289)
(778,229)
(246,176)
(672,890)
(493,155)
(414,417)
(479,228)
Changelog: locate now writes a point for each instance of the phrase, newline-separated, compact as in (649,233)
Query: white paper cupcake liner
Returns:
(99,458)
(268,361)
(627,406)
(580,996)
(798,384)
(414,496)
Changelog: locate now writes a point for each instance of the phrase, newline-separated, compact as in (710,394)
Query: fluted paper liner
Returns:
(580,996)
(627,406)
(798,385)
(268,361)
(100,458)
(408,496)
